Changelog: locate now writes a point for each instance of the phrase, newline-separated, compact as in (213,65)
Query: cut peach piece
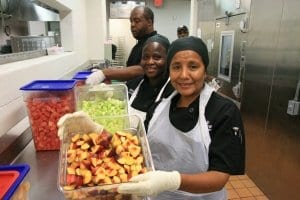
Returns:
(85,137)
(73,145)
(100,170)
(116,179)
(121,170)
(94,137)
(96,148)
(71,158)
(82,166)
(107,180)
(87,176)
(136,168)
(105,153)
(111,172)
(83,156)
(87,163)
(115,140)
(128,160)
(69,187)
(80,142)
(108,160)
(139,159)
(121,133)
(134,139)
(122,160)
(98,178)
(78,171)
(85,146)
(128,135)
(134,150)
(115,165)
(125,154)
(119,149)
(127,168)
(75,137)
(75,165)
(96,161)
(70,170)
(123,177)
(134,173)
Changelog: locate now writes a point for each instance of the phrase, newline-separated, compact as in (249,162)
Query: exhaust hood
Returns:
(32,10)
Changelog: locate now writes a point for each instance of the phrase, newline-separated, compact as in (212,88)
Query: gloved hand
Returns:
(77,122)
(151,183)
(95,78)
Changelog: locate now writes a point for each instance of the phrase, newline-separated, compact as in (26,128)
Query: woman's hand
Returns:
(77,122)
(151,183)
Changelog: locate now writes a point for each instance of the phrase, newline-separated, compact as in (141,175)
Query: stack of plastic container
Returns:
(80,77)
(11,182)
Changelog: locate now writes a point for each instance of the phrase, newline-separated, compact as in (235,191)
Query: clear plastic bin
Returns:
(102,100)
(46,102)
(101,184)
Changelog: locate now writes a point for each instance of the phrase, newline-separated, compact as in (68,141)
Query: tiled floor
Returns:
(243,188)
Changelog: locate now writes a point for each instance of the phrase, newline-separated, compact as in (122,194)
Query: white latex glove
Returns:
(77,122)
(151,183)
(95,78)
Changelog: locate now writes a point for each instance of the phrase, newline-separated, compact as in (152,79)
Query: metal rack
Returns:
(120,54)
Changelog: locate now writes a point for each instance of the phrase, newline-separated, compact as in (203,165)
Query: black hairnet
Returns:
(188,43)
(160,39)
(182,28)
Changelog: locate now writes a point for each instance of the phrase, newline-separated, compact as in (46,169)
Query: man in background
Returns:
(182,31)
(141,25)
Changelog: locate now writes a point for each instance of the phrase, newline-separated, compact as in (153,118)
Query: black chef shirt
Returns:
(227,148)
(135,55)
(147,93)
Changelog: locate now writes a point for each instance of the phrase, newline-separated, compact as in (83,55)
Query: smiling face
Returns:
(154,60)
(139,25)
(187,75)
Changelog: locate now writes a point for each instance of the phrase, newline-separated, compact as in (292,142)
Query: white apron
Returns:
(173,149)
(134,111)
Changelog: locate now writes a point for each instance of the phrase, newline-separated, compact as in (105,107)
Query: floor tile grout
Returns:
(242,187)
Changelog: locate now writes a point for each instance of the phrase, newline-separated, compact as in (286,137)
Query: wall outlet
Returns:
(293,107)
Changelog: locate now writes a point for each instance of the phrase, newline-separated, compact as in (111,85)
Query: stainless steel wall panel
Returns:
(282,130)
(260,54)
(269,81)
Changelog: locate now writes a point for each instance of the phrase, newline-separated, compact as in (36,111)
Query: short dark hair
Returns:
(148,13)
(183,28)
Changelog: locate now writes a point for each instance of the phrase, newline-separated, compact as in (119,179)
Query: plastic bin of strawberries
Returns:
(92,165)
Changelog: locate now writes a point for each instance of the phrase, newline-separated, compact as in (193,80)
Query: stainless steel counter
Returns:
(43,173)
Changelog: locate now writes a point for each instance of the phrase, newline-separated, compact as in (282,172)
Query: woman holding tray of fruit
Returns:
(196,136)
(146,90)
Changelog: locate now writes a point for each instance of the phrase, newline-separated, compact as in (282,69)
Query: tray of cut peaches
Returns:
(93,165)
